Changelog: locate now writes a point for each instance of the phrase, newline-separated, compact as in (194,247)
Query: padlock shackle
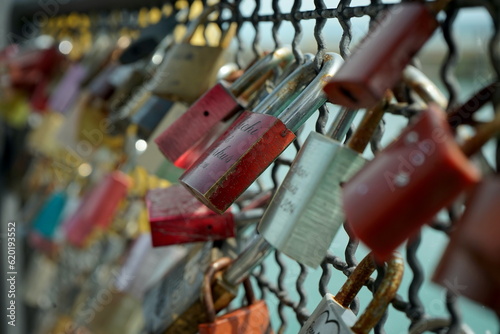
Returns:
(280,57)
(245,218)
(193,26)
(484,132)
(207,296)
(341,124)
(363,134)
(424,87)
(256,251)
(432,324)
(288,89)
(385,293)
(463,113)
(313,96)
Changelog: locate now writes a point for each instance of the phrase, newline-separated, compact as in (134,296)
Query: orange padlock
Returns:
(251,319)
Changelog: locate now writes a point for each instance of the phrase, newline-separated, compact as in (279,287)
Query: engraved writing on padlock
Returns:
(253,142)
(376,64)
(253,318)
(469,265)
(217,104)
(407,183)
(332,315)
(97,209)
(176,216)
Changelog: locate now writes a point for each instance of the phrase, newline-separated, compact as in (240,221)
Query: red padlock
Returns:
(218,104)
(470,266)
(97,208)
(407,183)
(251,319)
(378,61)
(255,140)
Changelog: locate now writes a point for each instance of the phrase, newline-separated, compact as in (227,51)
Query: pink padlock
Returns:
(97,208)
(407,183)
(470,266)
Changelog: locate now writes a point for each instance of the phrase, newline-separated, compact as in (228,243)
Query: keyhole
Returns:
(209,227)
(206,113)
(348,94)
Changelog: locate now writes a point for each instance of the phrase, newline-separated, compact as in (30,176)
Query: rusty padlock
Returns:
(189,70)
(378,61)
(253,318)
(177,217)
(97,208)
(333,315)
(218,104)
(410,181)
(306,211)
(469,265)
(256,139)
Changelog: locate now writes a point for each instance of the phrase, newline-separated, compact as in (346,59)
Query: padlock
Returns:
(218,104)
(97,208)
(306,211)
(407,183)
(333,315)
(189,70)
(378,61)
(176,217)
(149,116)
(433,324)
(255,140)
(253,318)
(469,265)
(41,274)
(179,287)
(151,159)
(49,217)
(68,88)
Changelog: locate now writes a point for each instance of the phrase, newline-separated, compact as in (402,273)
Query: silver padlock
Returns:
(306,211)
(333,315)
(177,290)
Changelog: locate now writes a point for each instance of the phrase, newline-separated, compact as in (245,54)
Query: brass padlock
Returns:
(189,70)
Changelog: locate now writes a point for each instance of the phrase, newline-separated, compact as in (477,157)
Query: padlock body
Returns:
(187,72)
(236,159)
(329,317)
(177,217)
(66,92)
(306,211)
(251,319)
(178,289)
(48,218)
(378,61)
(470,264)
(97,209)
(149,116)
(214,106)
(406,185)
